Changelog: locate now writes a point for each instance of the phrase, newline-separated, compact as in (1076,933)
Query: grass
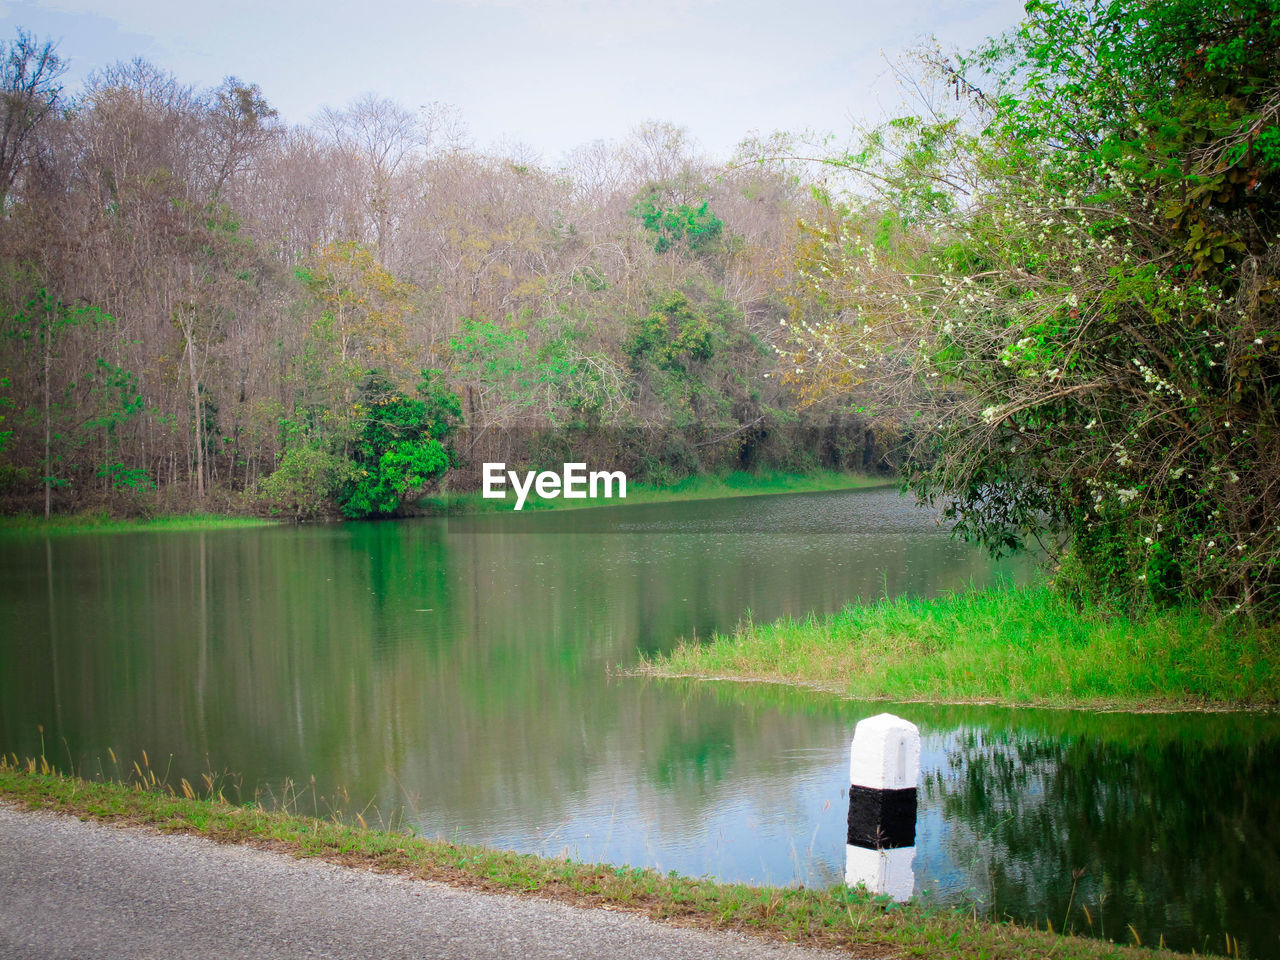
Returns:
(704,487)
(29,524)
(1019,646)
(840,918)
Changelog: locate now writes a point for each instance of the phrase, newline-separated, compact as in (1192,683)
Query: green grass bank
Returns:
(702,487)
(839,918)
(102,522)
(1020,646)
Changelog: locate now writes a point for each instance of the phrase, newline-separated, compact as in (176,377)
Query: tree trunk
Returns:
(48,466)
(199,419)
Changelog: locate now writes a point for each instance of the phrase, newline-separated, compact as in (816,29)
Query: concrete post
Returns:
(884,772)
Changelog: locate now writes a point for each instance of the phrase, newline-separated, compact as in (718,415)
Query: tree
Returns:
(45,319)
(29,91)
(401,447)
(306,482)
(241,123)
(374,136)
(682,224)
(1097,304)
(674,335)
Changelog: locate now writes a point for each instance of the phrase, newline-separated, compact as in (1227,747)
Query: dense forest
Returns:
(205,307)
(1050,297)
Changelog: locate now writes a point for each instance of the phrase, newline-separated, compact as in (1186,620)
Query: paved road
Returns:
(84,890)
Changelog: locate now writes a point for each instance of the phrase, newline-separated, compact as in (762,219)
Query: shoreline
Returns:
(838,917)
(1133,709)
(701,487)
(469,503)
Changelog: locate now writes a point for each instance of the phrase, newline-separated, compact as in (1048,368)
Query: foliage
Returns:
(6,403)
(74,413)
(674,335)
(690,354)
(122,477)
(259,272)
(679,225)
(306,482)
(401,446)
(1095,319)
(363,301)
(560,381)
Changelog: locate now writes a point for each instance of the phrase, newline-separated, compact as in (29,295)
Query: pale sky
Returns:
(551,74)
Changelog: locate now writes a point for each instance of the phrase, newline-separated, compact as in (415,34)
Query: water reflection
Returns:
(1173,835)
(461,677)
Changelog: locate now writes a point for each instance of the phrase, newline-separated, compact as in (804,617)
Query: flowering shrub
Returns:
(1089,317)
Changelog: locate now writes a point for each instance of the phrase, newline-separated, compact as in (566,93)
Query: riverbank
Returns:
(835,918)
(102,522)
(702,487)
(1016,646)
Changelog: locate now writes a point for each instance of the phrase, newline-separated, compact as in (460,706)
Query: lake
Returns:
(460,677)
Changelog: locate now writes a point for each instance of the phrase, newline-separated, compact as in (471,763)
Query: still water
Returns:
(456,676)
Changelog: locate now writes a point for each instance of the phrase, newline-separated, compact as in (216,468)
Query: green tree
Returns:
(44,321)
(675,335)
(1114,316)
(401,446)
(682,224)
(306,483)
(1094,311)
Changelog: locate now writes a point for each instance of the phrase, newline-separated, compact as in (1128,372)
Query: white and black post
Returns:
(884,772)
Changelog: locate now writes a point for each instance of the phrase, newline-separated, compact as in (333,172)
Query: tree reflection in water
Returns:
(1177,836)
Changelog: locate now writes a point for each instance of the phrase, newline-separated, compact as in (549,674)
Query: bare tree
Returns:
(240,123)
(375,135)
(29,90)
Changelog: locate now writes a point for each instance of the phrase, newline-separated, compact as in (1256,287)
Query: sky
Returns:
(540,76)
